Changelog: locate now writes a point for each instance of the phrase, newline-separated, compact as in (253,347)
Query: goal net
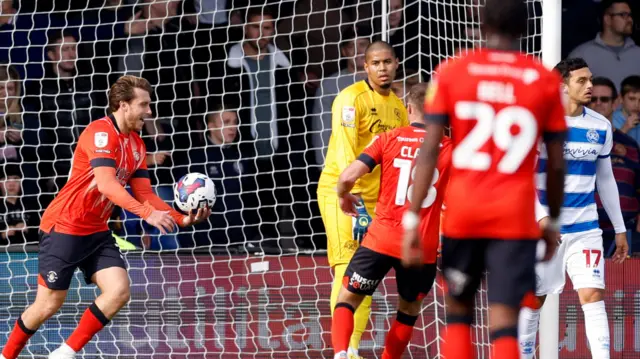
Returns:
(255,282)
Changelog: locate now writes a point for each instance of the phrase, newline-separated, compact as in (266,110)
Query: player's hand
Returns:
(411,249)
(551,236)
(348,204)
(194,218)
(622,248)
(162,220)
(361,221)
(543,224)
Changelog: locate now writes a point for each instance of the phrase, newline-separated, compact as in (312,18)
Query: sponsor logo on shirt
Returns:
(378,127)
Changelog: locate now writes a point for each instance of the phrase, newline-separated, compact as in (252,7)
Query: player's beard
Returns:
(385,86)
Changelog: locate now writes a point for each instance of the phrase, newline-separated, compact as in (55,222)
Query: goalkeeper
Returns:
(359,112)
(109,155)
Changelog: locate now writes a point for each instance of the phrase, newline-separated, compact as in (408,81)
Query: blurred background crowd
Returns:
(243,92)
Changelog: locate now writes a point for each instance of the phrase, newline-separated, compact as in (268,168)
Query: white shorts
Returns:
(581,256)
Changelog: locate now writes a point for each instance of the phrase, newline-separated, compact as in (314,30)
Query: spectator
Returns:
(18,220)
(612,54)
(625,159)
(232,220)
(66,103)
(352,50)
(10,114)
(23,37)
(626,118)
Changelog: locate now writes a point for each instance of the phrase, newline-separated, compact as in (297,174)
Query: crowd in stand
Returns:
(242,92)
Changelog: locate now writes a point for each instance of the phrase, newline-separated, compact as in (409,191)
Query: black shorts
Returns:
(368,268)
(510,267)
(60,254)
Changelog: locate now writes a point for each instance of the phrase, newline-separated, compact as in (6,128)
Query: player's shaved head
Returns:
(380,65)
(505,17)
(379,46)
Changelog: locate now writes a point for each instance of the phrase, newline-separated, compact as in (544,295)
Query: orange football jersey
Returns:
(395,152)
(79,208)
(498,104)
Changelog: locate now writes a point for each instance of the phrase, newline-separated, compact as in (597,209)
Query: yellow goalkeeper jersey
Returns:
(358,114)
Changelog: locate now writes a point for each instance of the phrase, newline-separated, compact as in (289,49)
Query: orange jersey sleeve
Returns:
(102,152)
(372,154)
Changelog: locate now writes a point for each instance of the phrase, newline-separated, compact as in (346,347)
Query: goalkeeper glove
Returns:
(361,221)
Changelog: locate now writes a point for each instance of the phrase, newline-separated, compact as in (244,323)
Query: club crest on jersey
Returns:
(593,136)
(100,139)
(136,155)
(397,113)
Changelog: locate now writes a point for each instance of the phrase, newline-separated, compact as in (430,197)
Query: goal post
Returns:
(551,54)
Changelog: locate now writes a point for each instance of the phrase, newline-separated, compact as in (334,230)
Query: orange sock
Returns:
(505,344)
(17,340)
(341,327)
(398,336)
(457,341)
(92,321)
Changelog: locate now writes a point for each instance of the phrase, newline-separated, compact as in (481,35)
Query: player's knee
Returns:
(410,308)
(590,295)
(119,295)
(353,299)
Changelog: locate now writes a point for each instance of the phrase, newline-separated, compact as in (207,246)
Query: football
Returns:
(193,191)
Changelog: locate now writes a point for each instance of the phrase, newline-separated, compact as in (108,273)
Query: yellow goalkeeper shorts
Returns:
(339,228)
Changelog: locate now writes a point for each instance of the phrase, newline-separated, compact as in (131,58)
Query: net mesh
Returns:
(255,282)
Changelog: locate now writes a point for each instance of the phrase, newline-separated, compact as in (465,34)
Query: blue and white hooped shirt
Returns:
(589,137)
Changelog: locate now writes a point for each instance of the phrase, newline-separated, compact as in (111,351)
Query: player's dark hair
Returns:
(416,95)
(56,35)
(258,11)
(505,17)
(630,84)
(603,81)
(355,32)
(566,66)
(124,90)
(379,46)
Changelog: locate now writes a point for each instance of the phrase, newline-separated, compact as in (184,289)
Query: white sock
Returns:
(597,328)
(340,355)
(353,352)
(527,331)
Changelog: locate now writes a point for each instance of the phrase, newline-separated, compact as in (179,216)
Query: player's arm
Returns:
(345,120)
(366,162)
(607,186)
(436,118)
(100,149)
(553,135)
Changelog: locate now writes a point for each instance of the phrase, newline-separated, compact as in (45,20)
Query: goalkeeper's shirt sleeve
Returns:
(345,122)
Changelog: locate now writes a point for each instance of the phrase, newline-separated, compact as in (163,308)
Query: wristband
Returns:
(410,220)
(553,224)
